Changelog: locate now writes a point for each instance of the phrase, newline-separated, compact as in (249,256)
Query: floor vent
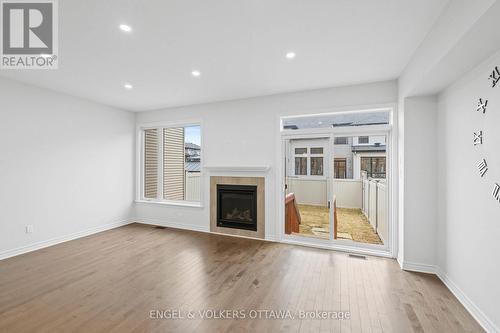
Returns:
(357,256)
(159,227)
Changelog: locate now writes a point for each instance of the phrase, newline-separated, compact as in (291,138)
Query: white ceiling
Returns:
(238,45)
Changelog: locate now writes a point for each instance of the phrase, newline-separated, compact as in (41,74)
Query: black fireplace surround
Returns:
(237,206)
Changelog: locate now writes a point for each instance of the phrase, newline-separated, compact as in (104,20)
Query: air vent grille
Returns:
(357,256)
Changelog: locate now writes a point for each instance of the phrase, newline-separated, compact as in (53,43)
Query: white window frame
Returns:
(140,164)
(341,144)
(364,143)
(308,155)
(390,248)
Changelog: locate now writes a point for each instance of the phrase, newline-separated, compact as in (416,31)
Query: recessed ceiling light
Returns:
(195,73)
(290,55)
(128,86)
(126,28)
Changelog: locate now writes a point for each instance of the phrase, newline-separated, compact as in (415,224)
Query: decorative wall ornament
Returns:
(495,76)
(478,137)
(483,167)
(496,192)
(481,106)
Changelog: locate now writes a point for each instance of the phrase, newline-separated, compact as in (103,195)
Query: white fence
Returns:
(367,194)
(375,205)
(309,191)
(192,186)
(348,193)
(315,191)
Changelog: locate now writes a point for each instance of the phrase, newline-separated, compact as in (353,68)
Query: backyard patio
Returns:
(352,224)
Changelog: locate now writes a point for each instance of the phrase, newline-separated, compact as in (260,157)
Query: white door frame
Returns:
(386,250)
(327,157)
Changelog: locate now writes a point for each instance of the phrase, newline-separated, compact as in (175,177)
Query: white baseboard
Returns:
(184,226)
(61,239)
(170,224)
(468,304)
(473,309)
(417,267)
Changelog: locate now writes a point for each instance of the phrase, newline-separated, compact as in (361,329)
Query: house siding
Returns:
(173,163)
(151,163)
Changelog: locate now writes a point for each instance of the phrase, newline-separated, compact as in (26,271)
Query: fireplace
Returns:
(237,206)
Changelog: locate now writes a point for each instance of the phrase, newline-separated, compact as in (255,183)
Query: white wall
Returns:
(66,165)
(469,217)
(420,161)
(246,133)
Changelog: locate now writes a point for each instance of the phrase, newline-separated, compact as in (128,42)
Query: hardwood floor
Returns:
(109,282)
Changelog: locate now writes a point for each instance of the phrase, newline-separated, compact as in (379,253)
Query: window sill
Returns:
(171,203)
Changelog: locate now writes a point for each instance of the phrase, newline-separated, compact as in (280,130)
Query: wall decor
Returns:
(480,135)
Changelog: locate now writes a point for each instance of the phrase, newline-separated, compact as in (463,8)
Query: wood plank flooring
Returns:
(110,282)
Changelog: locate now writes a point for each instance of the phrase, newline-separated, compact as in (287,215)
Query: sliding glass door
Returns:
(337,180)
(307,186)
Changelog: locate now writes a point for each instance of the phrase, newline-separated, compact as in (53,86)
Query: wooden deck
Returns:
(109,282)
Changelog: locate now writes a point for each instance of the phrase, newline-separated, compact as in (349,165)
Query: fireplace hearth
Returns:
(237,206)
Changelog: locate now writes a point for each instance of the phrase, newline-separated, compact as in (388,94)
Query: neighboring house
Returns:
(192,152)
(192,169)
(351,154)
(360,153)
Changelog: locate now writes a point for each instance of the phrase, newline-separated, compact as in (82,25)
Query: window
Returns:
(172,163)
(336,120)
(340,140)
(300,151)
(308,161)
(363,140)
(300,166)
(316,161)
(374,166)
(316,166)
(150,163)
(340,168)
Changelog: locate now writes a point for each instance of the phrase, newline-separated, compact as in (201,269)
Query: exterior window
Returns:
(316,166)
(340,140)
(300,166)
(316,161)
(316,151)
(374,166)
(340,168)
(172,163)
(300,151)
(363,140)
(309,161)
(150,163)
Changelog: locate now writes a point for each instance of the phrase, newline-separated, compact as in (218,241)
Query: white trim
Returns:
(139,184)
(198,228)
(469,305)
(417,267)
(327,245)
(391,246)
(369,130)
(175,225)
(181,203)
(61,239)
